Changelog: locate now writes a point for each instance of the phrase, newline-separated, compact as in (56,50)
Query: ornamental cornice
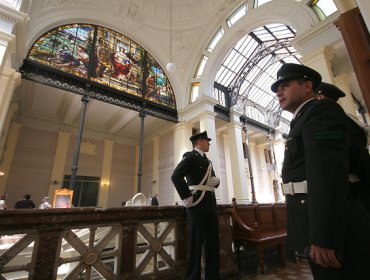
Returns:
(193,111)
(323,34)
(11,15)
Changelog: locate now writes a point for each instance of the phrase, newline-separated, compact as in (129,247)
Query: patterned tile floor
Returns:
(291,271)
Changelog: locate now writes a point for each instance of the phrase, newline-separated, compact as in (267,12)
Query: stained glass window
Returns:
(106,57)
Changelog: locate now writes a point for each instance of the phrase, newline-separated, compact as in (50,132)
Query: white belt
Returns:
(202,188)
(353,178)
(295,188)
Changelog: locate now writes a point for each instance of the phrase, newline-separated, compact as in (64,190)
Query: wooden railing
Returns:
(93,243)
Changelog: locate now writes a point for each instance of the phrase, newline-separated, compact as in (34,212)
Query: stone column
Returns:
(320,61)
(279,148)
(155,183)
(207,123)
(228,169)
(59,164)
(235,162)
(12,109)
(9,79)
(347,103)
(8,154)
(105,174)
(182,133)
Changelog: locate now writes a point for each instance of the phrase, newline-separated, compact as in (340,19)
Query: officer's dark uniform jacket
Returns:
(193,167)
(359,223)
(317,151)
(359,154)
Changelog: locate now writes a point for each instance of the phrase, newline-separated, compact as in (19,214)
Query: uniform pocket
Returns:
(297,211)
(294,153)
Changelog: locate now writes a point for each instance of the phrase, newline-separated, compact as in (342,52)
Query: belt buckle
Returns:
(288,188)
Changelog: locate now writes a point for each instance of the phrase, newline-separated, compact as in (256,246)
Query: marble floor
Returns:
(298,270)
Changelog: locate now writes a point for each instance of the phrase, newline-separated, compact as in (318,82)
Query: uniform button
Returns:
(303,201)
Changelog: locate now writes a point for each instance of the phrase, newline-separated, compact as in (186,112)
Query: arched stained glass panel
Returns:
(105,57)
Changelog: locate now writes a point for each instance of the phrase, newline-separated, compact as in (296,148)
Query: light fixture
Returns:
(171,67)
(2,174)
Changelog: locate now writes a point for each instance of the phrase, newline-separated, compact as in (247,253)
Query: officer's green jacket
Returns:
(317,150)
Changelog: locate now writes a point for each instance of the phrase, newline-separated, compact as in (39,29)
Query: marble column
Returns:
(343,81)
(182,144)
(57,173)
(105,174)
(235,162)
(8,154)
(207,123)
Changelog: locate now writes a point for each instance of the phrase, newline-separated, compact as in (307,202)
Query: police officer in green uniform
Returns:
(357,245)
(197,193)
(315,171)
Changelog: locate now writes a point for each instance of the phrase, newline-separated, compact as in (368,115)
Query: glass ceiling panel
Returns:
(251,72)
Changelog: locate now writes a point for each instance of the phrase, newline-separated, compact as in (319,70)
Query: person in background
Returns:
(19,202)
(26,203)
(315,173)
(197,193)
(45,204)
(357,246)
(3,198)
(154,201)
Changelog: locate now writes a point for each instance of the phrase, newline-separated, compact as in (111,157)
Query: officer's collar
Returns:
(300,107)
(199,151)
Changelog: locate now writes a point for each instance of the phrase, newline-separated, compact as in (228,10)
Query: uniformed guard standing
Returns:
(315,171)
(198,196)
(357,245)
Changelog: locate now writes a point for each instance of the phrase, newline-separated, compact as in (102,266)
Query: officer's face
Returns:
(293,93)
(204,145)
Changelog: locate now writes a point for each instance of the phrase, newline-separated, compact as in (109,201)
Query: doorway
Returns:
(85,191)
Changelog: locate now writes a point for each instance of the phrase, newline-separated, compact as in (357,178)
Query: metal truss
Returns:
(51,77)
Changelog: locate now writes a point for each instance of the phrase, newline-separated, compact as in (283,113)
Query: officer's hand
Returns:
(213,181)
(324,257)
(188,202)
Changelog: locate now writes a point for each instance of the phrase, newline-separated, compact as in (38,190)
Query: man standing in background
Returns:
(198,196)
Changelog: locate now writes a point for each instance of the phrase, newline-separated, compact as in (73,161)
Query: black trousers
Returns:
(203,236)
(355,266)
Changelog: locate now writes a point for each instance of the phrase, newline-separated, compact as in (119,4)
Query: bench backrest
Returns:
(268,217)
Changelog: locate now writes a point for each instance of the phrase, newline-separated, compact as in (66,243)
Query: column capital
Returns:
(201,105)
(207,115)
(109,142)
(182,125)
(235,115)
(345,5)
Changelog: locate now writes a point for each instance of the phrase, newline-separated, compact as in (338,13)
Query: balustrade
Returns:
(95,243)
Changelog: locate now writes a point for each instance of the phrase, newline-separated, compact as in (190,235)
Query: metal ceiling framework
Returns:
(48,76)
(247,86)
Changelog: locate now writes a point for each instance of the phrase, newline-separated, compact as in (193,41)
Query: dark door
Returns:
(85,191)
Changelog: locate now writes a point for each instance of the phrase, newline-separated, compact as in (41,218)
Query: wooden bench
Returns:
(260,226)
